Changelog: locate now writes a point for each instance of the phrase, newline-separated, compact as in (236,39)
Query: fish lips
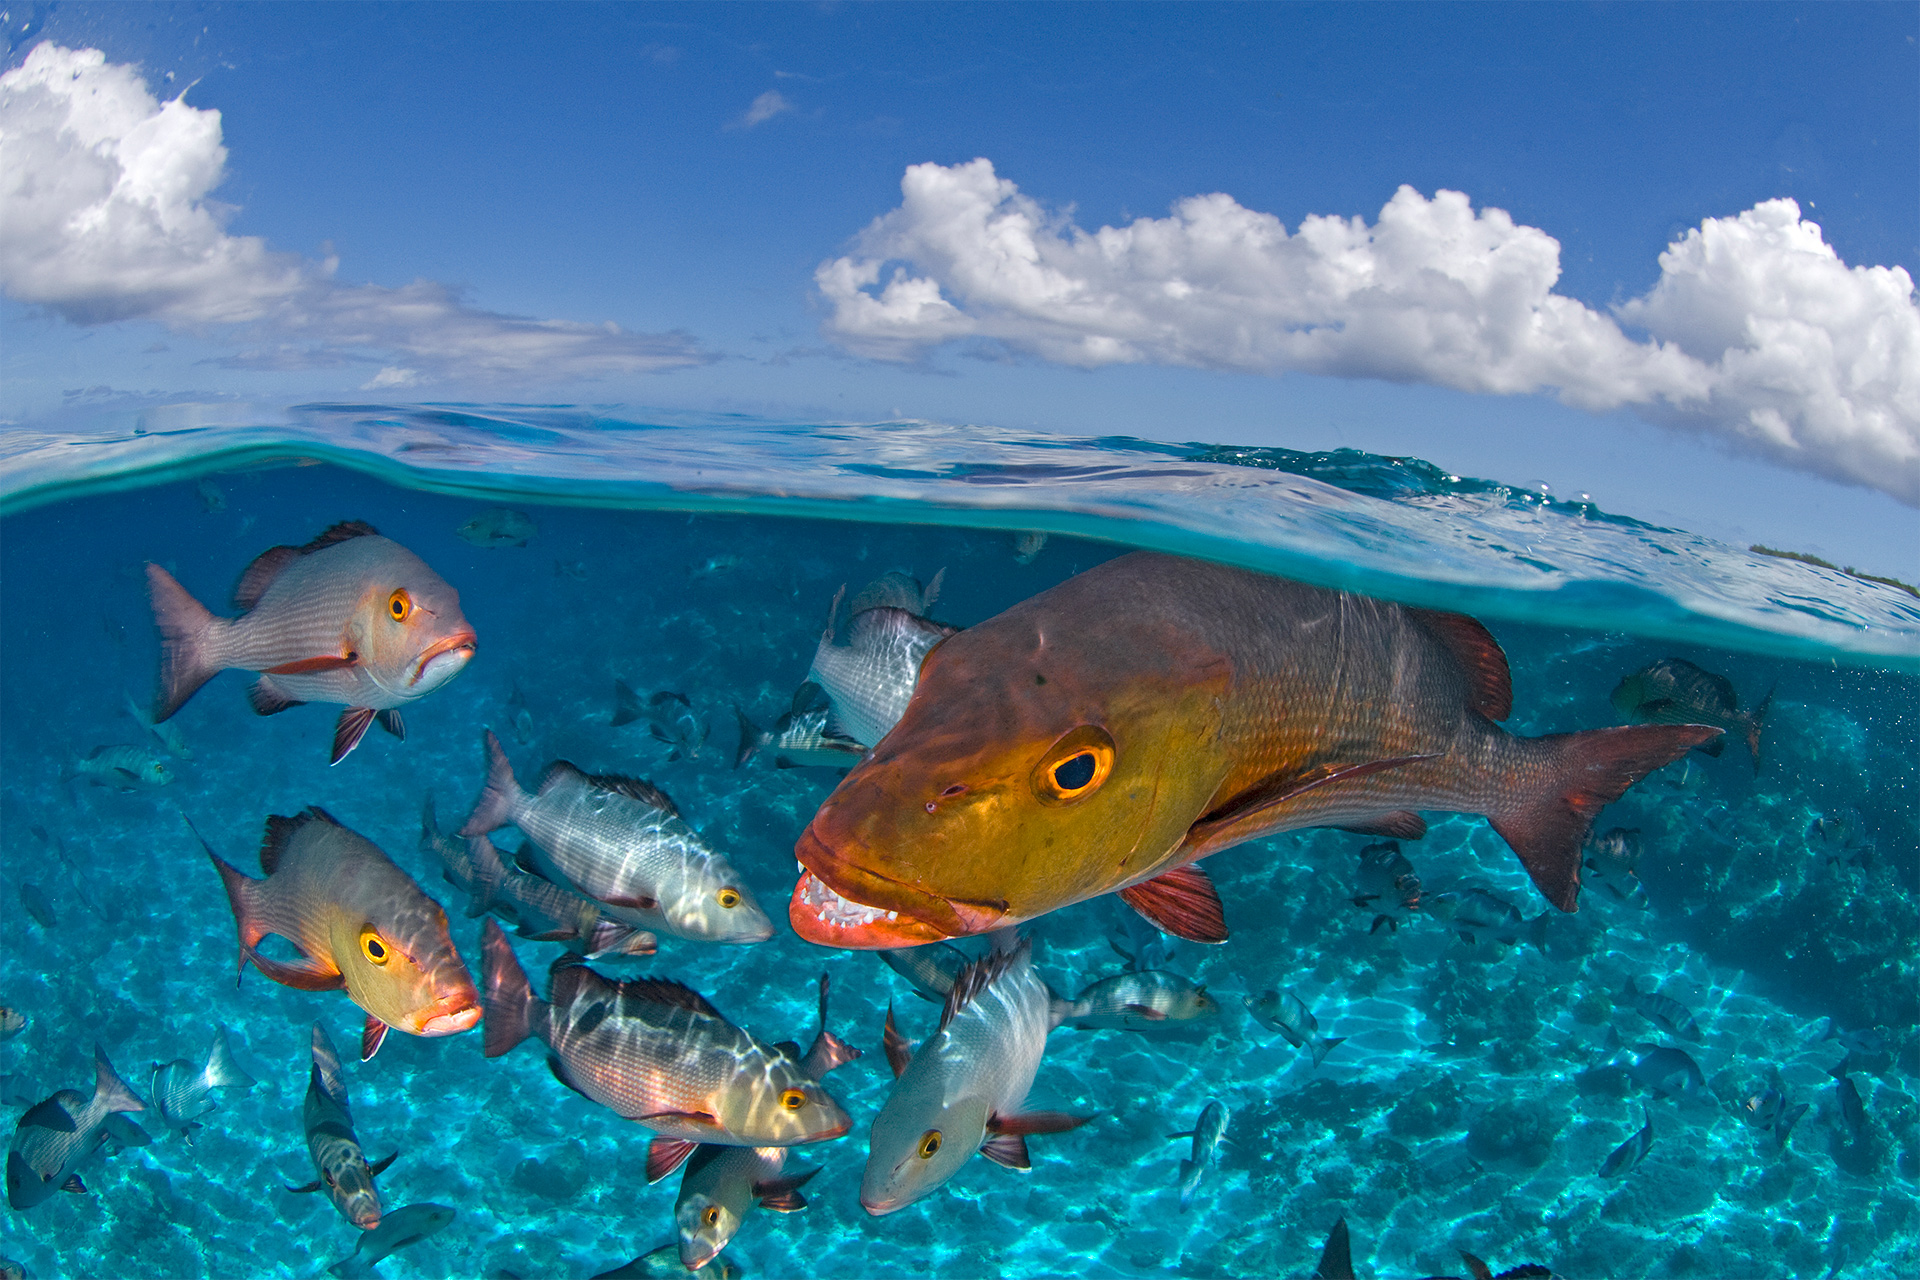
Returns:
(836,904)
(444,659)
(442,1020)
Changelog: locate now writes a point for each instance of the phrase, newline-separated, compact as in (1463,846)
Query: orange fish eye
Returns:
(374,947)
(711,1216)
(793,1099)
(399,605)
(729,898)
(929,1143)
(1075,766)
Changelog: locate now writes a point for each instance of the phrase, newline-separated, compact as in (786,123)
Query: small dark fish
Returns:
(799,737)
(670,719)
(725,562)
(1674,691)
(1853,1109)
(1027,546)
(1386,885)
(34,899)
(1612,860)
(575,569)
(405,1226)
(57,1136)
(1144,1000)
(332,1143)
(1286,1013)
(1663,1011)
(498,527)
(1862,1046)
(1475,913)
(664,1263)
(1135,940)
(718,1188)
(519,719)
(1768,1112)
(1628,1155)
(1208,1132)
(1668,1072)
(12,1022)
(182,1090)
(931,969)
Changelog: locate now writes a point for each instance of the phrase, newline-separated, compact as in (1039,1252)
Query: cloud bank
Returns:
(1755,332)
(105,215)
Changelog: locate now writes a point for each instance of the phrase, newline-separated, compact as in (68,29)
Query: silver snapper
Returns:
(931,969)
(1663,1011)
(718,1188)
(56,1137)
(1143,1000)
(800,737)
(183,1090)
(1208,1132)
(332,1143)
(1288,1014)
(407,1225)
(670,718)
(870,679)
(657,1053)
(963,1090)
(123,768)
(166,733)
(621,842)
(538,909)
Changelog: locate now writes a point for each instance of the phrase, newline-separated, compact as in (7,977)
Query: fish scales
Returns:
(56,1137)
(871,678)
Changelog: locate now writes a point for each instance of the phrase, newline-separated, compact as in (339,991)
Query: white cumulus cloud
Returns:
(1755,331)
(105,215)
(764,108)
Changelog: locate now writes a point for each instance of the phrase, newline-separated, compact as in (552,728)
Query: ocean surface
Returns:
(1479,1086)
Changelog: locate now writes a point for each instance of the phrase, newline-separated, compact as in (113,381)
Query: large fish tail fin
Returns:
(489,873)
(221,1072)
(499,798)
(109,1089)
(1582,773)
(242,898)
(751,739)
(505,995)
(186,631)
(1756,721)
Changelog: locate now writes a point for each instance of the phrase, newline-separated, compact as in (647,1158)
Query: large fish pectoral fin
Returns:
(899,1048)
(1400,824)
(1182,902)
(1009,1150)
(305,974)
(372,1036)
(315,666)
(1258,811)
(348,732)
(664,1155)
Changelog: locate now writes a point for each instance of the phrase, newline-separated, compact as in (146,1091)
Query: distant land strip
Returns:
(1849,570)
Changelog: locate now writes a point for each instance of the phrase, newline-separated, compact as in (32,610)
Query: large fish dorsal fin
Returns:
(980,975)
(876,624)
(635,789)
(1478,654)
(560,771)
(340,532)
(258,576)
(899,1048)
(1256,811)
(665,991)
(280,831)
(1336,1257)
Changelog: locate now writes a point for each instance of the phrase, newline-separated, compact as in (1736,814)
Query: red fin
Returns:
(258,576)
(899,1050)
(782,1194)
(309,666)
(184,625)
(1397,825)
(664,1155)
(1252,813)
(1142,1011)
(1008,1150)
(267,700)
(74,1185)
(641,903)
(1478,654)
(347,734)
(340,533)
(301,975)
(1181,902)
(390,721)
(1035,1122)
(506,998)
(1583,773)
(784,1202)
(372,1036)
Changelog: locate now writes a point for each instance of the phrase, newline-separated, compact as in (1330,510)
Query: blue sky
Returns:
(685,172)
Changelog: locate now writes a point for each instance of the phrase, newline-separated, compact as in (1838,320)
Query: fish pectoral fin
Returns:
(784,1202)
(372,1036)
(305,974)
(267,699)
(664,1155)
(309,1189)
(390,721)
(348,732)
(314,666)
(1034,1122)
(379,1167)
(1182,902)
(899,1048)
(639,902)
(1256,811)
(1143,1011)
(1008,1150)
(1401,824)
(74,1185)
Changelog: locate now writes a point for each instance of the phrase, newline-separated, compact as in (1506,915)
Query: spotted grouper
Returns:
(1106,734)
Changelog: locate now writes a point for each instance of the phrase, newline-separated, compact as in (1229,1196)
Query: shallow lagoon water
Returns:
(702,558)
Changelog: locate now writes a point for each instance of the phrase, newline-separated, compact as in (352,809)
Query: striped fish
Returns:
(351,618)
(655,1052)
(963,1090)
(1144,1000)
(332,1143)
(719,1186)
(621,842)
(56,1137)
(183,1090)
(931,969)
(538,908)
(361,922)
(871,678)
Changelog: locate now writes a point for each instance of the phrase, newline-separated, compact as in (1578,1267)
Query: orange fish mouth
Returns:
(824,917)
(464,643)
(460,1018)
(827,907)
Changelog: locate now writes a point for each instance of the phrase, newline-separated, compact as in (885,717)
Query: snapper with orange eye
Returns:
(361,924)
(350,618)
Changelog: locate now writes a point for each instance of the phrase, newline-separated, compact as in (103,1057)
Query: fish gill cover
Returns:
(1741,972)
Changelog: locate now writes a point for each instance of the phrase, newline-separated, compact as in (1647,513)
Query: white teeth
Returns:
(836,910)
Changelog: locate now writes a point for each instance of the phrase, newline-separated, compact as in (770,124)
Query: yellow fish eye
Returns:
(1075,766)
(711,1216)
(793,1099)
(374,947)
(929,1143)
(399,605)
(729,898)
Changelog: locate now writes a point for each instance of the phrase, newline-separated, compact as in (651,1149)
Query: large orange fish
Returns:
(1104,735)
(361,924)
(351,618)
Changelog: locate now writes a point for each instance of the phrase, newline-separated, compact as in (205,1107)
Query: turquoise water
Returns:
(1469,1108)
